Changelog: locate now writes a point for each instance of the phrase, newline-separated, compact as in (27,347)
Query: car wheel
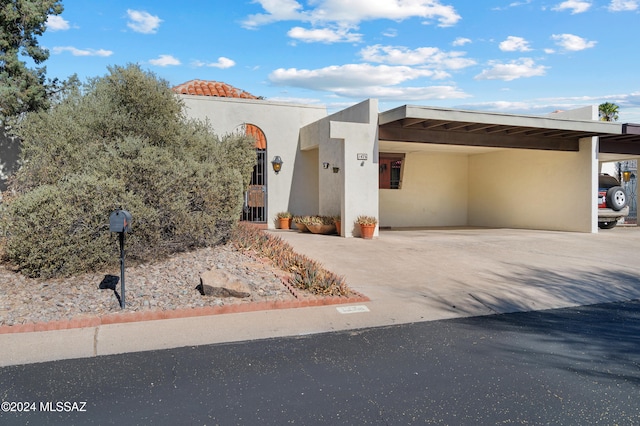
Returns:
(616,198)
(607,225)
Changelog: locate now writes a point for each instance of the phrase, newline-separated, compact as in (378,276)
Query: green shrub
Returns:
(121,143)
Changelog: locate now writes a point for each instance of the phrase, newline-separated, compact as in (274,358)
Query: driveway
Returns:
(425,274)
(409,275)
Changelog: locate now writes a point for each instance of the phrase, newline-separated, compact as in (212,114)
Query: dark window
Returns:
(390,171)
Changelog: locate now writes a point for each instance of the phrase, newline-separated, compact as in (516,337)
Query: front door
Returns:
(255,198)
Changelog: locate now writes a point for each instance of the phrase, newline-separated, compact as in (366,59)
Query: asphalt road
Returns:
(571,366)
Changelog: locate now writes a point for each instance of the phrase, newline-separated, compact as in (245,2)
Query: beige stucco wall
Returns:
(434,192)
(547,190)
(339,139)
(513,188)
(295,188)
(535,189)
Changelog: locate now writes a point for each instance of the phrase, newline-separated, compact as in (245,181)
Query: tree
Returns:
(21,88)
(608,111)
(122,141)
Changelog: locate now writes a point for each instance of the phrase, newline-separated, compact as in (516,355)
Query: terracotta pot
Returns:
(338,227)
(322,229)
(285,222)
(366,231)
(301,227)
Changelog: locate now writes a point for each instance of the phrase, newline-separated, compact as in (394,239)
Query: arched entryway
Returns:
(255,198)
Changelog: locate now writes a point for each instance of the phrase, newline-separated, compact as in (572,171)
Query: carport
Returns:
(469,168)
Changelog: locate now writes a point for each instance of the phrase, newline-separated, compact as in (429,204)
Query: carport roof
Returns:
(626,143)
(474,128)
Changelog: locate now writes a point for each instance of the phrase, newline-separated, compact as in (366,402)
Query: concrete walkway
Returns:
(409,275)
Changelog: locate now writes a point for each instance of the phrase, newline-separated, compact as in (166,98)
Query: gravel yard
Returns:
(164,285)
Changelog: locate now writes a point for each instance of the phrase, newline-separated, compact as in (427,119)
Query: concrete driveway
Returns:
(409,275)
(423,274)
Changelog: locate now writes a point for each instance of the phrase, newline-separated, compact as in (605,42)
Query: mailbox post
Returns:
(120,222)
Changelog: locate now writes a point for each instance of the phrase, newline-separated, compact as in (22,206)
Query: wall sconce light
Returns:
(336,169)
(325,165)
(626,176)
(277,164)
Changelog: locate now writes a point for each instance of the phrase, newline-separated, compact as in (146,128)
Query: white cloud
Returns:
(623,5)
(576,6)
(572,42)
(515,44)
(523,67)
(222,63)
(82,52)
(503,106)
(57,23)
(164,61)
(352,11)
(360,81)
(277,10)
(324,35)
(461,41)
(514,4)
(143,22)
(391,33)
(404,94)
(428,56)
(336,77)
(629,105)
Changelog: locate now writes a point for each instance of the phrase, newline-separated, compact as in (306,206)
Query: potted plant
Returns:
(337,223)
(367,226)
(284,220)
(320,224)
(299,223)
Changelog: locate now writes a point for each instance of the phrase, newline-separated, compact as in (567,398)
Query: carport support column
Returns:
(359,176)
(589,156)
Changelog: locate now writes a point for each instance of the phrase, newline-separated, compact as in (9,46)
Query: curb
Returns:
(126,317)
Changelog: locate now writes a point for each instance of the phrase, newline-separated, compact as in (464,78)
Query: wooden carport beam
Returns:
(399,134)
(408,122)
(477,127)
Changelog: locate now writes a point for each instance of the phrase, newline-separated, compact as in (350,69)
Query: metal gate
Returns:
(255,198)
(628,177)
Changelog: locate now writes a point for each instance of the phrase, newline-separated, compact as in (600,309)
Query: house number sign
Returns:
(362,156)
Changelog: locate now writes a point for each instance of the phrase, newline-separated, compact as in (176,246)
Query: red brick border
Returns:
(137,316)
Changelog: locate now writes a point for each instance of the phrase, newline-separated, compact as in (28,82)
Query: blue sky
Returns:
(522,56)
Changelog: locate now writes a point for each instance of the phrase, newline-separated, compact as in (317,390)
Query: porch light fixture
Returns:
(336,169)
(277,164)
(626,176)
(325,165)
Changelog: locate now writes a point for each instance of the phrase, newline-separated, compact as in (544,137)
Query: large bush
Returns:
(121,142)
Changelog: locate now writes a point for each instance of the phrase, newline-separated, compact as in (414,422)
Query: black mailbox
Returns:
(120,221)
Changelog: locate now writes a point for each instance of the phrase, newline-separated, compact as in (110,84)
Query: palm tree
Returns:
(608,111)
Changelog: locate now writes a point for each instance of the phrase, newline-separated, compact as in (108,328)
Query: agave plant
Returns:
(366,220)
(306,273)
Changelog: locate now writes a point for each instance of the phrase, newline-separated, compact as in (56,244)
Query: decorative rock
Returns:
(223,279)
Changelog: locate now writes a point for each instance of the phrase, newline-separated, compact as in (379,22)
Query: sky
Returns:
(522,57)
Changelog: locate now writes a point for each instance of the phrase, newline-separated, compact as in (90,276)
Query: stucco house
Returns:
(413,166)
(418,166)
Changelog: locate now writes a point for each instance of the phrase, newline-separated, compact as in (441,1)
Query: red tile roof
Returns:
(211,88)
(261,140)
